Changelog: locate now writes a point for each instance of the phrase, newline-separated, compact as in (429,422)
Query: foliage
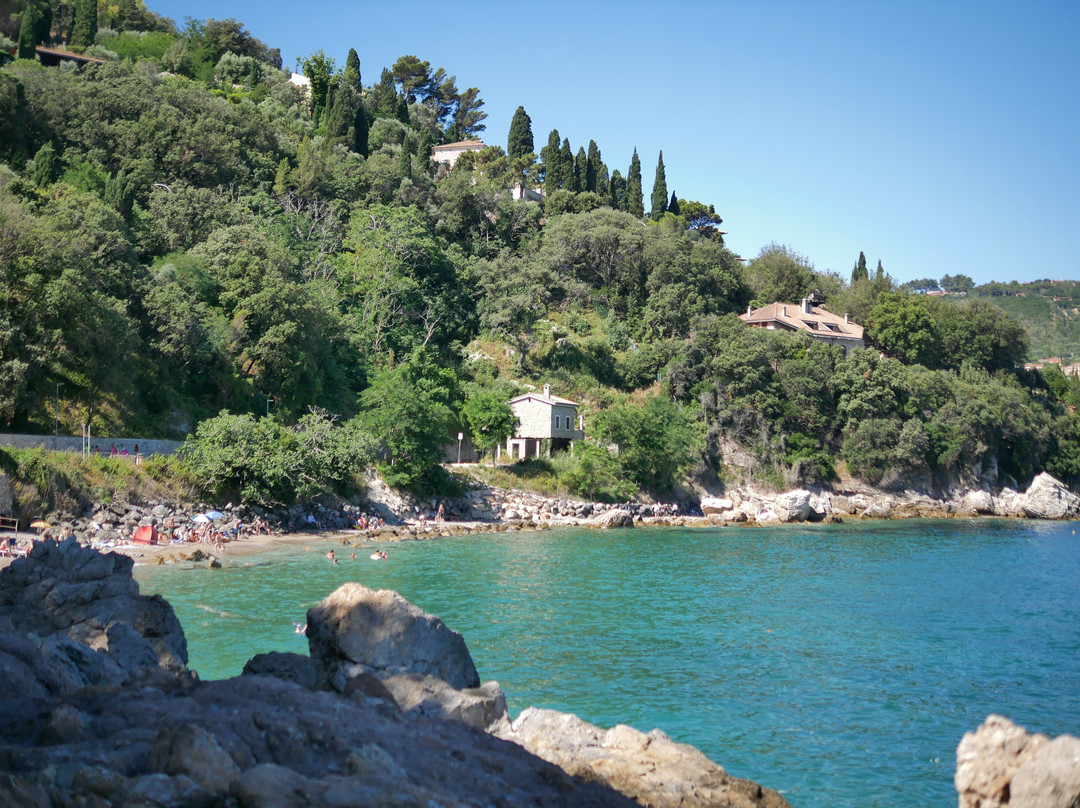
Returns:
(659,191)
(490,418)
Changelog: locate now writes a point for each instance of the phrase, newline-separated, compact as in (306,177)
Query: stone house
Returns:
(449,152)
(546,423)
(806,317)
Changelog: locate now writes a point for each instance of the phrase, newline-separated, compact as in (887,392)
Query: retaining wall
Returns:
(70,443)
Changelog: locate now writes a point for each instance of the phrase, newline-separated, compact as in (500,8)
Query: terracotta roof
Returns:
(77,57)
(462,144)
(818,323)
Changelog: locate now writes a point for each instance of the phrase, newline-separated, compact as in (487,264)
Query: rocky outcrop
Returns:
(616,517)
(650,768)
(112,717)
(792,506)
(1048,498)
(1001,764)
(71,617)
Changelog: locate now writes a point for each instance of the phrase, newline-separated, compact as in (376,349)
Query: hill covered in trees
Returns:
(189,241)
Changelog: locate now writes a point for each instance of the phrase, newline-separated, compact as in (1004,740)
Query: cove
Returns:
(839,664)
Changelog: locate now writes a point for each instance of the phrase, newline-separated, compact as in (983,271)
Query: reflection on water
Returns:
(840,664)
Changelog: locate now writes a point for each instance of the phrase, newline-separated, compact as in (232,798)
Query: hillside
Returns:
(1050,312)
(194,241)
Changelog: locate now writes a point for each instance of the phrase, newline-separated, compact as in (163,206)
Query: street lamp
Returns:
(460,435)
(56,424)
(269,401)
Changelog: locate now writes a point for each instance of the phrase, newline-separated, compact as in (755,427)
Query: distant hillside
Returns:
(1049,310)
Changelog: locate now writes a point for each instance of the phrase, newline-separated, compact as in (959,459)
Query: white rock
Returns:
(1048,498)
(715,505)
(792,506)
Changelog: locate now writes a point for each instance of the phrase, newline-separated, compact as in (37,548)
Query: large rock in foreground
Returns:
(1048,498)
(71,617)
(381,632)
(650,768)
(1002,765)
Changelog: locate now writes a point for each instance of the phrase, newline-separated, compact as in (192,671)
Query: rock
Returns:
(481,707)
(287,667)
(192,751)
(649,768)
(1050,779)
(792,506)
(878,509)
(1048,498)
(711,505)
(980,502)
(989,758)
(384,633)
(616,517)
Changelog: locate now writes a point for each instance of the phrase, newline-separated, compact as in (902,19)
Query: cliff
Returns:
(98,708)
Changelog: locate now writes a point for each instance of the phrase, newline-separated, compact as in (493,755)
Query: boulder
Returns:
(878,509)
(792,506)
(287,667)
(710,505)
(1051,778)
(483,707)
(616,517)
(1048,498)
(649,768)
(980,502)
(989,758)
(385,634)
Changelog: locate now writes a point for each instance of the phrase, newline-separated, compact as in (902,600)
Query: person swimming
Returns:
(330,557)
(299,628)
(378,555)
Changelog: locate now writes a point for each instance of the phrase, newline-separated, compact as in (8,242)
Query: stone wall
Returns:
(72,443)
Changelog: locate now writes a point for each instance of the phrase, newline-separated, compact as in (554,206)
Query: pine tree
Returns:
(28,32)
(659,191)
(592,167)
(635,201)
(860,272)
(85,25)
(673,205)
(520,141)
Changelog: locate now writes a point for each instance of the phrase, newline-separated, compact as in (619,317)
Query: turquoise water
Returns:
(840,664)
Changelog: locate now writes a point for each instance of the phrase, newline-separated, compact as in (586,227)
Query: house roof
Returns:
(461,144)
(549,399)
(818,323)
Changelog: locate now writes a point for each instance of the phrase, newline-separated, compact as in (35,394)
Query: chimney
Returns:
(783,310)
(807,306)
(749,309)
(847,317)
(547,391)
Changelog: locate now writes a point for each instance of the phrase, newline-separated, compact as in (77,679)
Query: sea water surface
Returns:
(838,664)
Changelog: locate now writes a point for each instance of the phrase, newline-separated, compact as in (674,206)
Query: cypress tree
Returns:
(880,274)
(520,140)
(424,147)
(84,27)
(592,168)
(860,272)
(659,191)
(635,201)
(405,158)
(352,63)
(46,168)
(602,182)
(341,116)
(617,191)
(581,170)
(43,27)
(566,165)
(549,158)
(28,32)
(673,205)
(384,96)
(360,130)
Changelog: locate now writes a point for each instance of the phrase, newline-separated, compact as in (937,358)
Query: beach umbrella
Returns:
(200,517)
(214,515)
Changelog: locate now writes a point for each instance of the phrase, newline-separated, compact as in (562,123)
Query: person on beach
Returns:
(440,515)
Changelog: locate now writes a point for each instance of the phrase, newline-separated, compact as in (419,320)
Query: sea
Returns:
(838,664)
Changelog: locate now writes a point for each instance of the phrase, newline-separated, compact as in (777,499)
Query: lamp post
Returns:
(460,435)
(56,423)
(269,401)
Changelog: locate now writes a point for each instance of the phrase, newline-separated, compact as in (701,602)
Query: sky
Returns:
(937,137)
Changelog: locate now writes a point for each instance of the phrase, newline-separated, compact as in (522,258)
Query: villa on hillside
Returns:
(806,317)
(546,424)
(449,152)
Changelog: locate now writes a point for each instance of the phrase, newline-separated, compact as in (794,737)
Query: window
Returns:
(558,422)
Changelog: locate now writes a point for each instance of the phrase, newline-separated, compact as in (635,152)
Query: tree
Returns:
(658,442)
(581,170)
(659,191)
(352,69)
(957,284)
(46,167)
(673,205)
(28,31)
(319,68)
(414,76)
(468,116)
(520,140)
(778,273)
(555,175)
(490,418)
(635,202)
(901,326)
(617,191)
(593,168)
(566,166)
(702,219)
(85,25)
(860,272)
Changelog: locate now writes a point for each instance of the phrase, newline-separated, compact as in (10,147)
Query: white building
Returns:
(449,152)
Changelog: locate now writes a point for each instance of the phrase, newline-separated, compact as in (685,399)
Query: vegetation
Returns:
(186,238)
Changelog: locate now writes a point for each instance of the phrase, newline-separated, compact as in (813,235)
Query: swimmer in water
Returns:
(300,628)
(352,556)
(330,557)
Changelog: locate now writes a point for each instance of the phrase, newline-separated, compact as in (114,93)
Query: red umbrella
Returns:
(147,534)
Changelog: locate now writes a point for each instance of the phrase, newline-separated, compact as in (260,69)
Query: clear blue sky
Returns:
(939,137)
